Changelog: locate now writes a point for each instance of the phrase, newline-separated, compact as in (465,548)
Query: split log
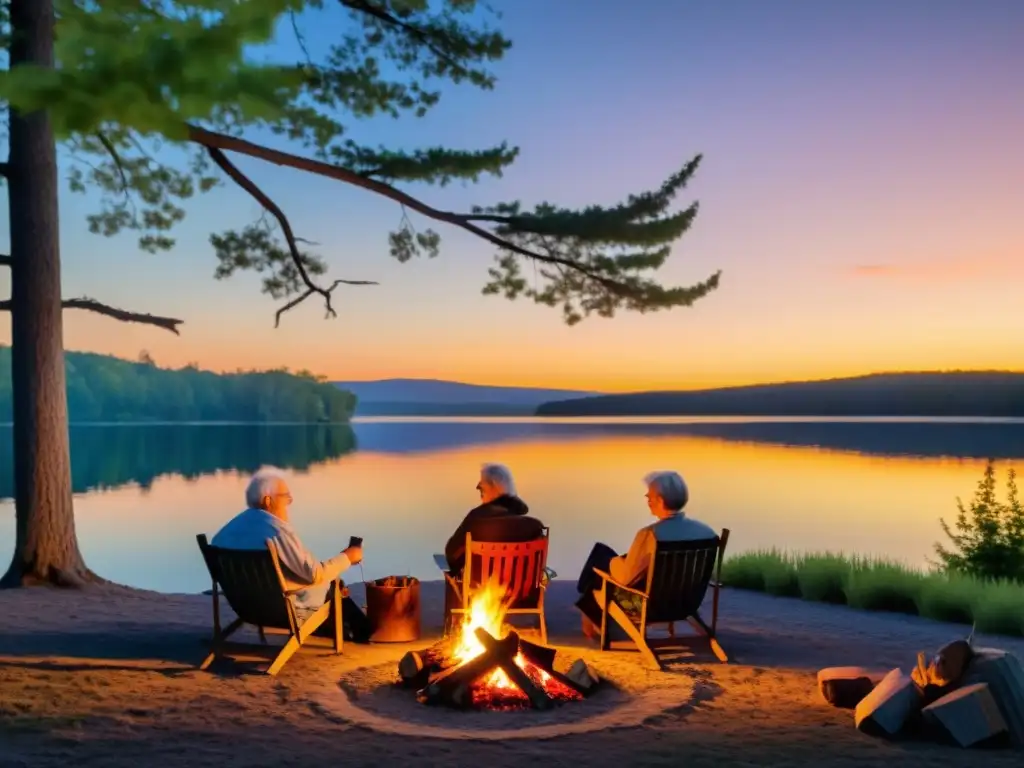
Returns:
(583,677)
(416,667)
(970,714)
(893,702)
(453,685)
(538,697)
(1004,674)
(844,687)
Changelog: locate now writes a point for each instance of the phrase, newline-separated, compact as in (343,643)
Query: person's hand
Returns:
(354,554)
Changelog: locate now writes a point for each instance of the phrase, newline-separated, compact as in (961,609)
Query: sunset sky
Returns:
(862,192)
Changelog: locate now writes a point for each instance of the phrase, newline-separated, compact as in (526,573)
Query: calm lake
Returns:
(874,487)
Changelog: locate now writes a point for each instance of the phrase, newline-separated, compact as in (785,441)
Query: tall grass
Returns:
(879,585)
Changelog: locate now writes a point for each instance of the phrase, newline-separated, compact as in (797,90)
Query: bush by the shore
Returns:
(995,607)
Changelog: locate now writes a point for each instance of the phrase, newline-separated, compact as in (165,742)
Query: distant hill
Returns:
(433,397)
(957,393)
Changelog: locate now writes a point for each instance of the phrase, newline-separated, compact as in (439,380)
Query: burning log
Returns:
(539,655)
(537,696)
(543,657)
(454,685)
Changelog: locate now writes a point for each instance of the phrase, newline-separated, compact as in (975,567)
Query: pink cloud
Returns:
(935,270)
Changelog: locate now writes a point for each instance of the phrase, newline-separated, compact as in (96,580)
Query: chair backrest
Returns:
(519,566)
(679,574)
(252,583)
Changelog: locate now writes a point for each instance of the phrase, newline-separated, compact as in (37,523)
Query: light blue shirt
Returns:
(312,578)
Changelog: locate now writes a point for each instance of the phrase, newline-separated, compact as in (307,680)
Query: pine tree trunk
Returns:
(46,548)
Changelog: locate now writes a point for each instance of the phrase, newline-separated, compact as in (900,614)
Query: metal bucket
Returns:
(393,609)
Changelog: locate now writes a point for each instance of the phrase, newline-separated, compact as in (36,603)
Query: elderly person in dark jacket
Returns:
(501,516)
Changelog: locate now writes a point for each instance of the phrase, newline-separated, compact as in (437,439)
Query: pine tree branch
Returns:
(91,305)
(419,35)
(213,141)
(271,207)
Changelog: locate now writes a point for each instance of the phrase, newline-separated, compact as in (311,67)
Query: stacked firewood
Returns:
(968,695)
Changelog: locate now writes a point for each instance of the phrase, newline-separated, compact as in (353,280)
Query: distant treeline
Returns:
(102,388)
(958,393)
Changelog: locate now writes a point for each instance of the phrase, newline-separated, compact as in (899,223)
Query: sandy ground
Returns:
(107,677)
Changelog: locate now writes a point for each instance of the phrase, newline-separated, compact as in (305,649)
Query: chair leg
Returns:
(219,637)
(712,636)
(287,651)
(339,624)
(615,611)
(604,617)
(543,627)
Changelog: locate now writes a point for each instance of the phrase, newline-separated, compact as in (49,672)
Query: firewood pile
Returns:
(511,673)
(964,695)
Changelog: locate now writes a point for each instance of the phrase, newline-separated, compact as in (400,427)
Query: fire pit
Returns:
(487,666)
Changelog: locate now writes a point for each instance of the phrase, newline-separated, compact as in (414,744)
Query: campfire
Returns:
(486,665)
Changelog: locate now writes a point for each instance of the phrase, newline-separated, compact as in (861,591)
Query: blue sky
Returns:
(861,191)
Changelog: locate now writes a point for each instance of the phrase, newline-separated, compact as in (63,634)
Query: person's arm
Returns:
(455,549)
(302,565)
(627,568)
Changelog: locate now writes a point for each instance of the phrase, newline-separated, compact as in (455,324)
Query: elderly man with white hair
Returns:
(501,516)
(267,498)
(667,495)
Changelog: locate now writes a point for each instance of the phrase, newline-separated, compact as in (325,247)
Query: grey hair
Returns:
(499,475)
(671,487)
(263,483)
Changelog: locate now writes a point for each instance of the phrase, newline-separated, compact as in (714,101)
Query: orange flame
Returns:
(487,610)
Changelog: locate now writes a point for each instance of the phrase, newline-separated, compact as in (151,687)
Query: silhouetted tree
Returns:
(115,79)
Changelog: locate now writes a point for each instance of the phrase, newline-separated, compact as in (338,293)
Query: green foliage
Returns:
(987,540)
(878,585)
(108,389)
(133,75)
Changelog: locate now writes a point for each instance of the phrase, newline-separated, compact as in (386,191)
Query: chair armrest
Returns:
(607,577)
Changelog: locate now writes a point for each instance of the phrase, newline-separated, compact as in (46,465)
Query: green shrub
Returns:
(949,599)
(1000,610)
(987,540)
(746,571)
(884,587)
(823,578)
(879,585)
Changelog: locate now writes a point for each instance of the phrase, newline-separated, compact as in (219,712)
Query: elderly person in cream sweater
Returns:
(667,495)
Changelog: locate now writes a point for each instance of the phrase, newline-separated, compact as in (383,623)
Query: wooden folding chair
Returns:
(518,567)
(678,578)
(255,587)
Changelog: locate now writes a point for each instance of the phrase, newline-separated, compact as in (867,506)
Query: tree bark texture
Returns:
(46,547)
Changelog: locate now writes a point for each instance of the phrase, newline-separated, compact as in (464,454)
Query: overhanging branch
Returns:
(91,305)
(271,207)
(212,140)
(419,35)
